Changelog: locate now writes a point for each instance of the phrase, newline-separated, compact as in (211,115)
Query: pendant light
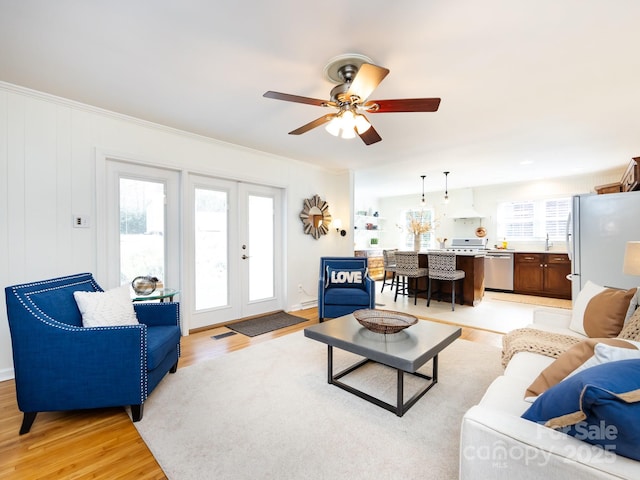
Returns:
(423,202)
(446,187)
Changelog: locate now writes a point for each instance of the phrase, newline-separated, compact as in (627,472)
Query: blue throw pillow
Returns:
(346,277)
(600,405)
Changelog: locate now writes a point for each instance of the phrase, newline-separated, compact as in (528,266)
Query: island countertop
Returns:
(478,253)
(472,263)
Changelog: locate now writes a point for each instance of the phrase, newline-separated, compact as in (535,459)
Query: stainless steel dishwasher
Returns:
(498,271)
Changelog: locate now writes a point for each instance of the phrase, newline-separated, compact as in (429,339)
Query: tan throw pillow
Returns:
(606,312)
(567,362)
(631,329)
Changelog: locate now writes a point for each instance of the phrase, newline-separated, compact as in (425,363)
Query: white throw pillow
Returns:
(604,353)
(106,309)
(589,291)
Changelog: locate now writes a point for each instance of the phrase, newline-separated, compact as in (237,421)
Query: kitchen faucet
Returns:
(547,244)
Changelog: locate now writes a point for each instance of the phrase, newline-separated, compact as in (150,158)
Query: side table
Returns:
(160,294)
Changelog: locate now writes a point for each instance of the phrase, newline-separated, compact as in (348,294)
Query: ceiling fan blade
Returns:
(403,105)
(366,80)
(311,125)
(370,136)
(297,99)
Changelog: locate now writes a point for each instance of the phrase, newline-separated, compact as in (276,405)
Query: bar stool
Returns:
(442,266)
(407,267)
(389,261)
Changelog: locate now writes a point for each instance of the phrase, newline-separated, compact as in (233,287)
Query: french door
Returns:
(235,250)
(142,223)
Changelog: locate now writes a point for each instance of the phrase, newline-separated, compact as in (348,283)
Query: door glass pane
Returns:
(261,260)
(211,247)
(142,228)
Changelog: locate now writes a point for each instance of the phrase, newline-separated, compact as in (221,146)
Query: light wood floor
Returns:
(104,443)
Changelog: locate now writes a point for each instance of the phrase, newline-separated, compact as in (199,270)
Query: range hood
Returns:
(462,204)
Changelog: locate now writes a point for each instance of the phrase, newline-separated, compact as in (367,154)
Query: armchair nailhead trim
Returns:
(37,313)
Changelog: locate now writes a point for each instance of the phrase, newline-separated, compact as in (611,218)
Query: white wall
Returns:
(48,151)
(486,200)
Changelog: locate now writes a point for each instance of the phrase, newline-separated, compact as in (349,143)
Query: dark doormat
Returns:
(264,324)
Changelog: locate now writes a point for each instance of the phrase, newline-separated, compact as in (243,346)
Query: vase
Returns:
(416,242)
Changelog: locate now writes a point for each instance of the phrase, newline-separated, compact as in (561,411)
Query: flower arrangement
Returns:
(418,227)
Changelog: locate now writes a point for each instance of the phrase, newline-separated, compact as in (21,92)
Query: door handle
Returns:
(244,257)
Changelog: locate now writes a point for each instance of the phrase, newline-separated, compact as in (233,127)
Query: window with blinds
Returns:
(534,219)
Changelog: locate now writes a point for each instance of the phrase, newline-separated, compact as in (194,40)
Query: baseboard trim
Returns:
(7,374)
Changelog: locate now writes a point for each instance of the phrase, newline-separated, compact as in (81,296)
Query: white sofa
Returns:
(496,443)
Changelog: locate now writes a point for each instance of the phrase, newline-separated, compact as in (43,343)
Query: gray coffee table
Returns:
(405,351)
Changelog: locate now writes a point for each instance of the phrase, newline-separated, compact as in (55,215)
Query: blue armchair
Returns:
(61,365)
(344,286)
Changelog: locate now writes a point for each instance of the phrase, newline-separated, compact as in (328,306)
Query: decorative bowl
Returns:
(144,285)
(384,321)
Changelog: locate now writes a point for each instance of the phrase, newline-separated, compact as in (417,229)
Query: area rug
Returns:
(268,412)
(266,323)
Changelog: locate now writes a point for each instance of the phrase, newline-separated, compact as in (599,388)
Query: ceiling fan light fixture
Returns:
(334,126)
(356,77)
(362,125)
(348,131)
(345,123)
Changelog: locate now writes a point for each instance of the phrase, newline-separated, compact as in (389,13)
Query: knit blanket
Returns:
(536,341)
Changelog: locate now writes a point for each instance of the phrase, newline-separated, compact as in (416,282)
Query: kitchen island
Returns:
(472,263)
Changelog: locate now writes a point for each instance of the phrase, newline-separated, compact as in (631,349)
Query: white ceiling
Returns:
(549,82)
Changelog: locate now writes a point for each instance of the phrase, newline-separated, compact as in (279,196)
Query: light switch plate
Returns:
(80,221)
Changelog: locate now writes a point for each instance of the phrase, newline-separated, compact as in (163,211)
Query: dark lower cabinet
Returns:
(472,265)
(543,274)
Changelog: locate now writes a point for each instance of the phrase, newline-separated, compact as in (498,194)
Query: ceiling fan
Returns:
(357,77)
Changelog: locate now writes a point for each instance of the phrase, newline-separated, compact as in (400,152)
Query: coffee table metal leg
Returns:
(401,407)
(400,398)
(434,379)
(434,375)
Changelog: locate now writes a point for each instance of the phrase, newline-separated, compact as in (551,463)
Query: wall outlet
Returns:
(300,289)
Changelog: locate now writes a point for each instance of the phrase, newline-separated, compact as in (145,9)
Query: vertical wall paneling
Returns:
(16,188)
(85,135)
(40,188)
(64,214)
(5,353)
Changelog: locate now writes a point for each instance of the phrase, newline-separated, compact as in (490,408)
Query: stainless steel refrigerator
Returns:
(597,231)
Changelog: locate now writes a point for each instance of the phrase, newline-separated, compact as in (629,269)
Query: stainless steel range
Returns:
(467,245)
(498,264)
